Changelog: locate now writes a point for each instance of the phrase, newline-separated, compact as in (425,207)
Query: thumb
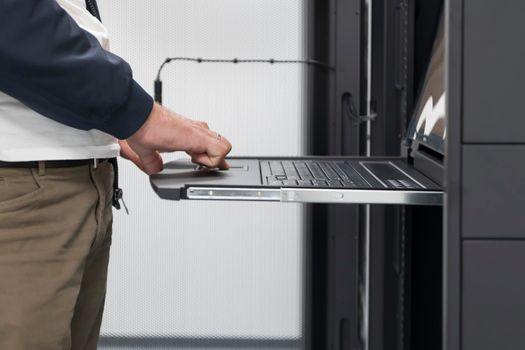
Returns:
(151,162)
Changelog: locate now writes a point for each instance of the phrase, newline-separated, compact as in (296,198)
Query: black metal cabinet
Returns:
(484,237)
(493,295)
(493,74)
(494,191)
(493,87)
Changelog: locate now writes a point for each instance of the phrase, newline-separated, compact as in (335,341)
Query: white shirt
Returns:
(26,135)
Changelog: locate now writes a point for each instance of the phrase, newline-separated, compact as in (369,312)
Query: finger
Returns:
(214,152)
(203,159)
(127,152)
(209,162)
(152,163)
(224,165)
(124,149)
(203,124)
(226,144)
(218,144)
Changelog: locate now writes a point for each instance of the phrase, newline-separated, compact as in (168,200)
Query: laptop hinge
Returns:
(428,163)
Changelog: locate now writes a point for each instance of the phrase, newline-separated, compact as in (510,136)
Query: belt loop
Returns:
(41,168)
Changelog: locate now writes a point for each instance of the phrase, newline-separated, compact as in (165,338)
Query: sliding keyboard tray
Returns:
(182,180)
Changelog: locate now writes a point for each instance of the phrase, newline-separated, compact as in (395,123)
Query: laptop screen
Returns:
(428,122)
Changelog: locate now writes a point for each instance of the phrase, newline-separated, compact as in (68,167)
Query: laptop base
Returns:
(182,180)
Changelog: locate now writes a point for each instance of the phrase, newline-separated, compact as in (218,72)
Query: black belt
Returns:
(117,191)
(54,163)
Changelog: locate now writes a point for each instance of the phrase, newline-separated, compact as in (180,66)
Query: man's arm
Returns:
(59,70)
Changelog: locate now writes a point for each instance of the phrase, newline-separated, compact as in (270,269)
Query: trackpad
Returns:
(390,175)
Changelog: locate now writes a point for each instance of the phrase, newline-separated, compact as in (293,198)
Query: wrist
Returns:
(146,133)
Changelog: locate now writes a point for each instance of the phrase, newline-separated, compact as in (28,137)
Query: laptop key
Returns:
(270,179)
(265,169)
(316,171)
(304,183)
(277,168)
(275,183)
(289,183)
(353,175)
(319,183)
(344,177)
(290,171)
(407,184)
(329,171)
(303,171)
(334,183)
(395,184)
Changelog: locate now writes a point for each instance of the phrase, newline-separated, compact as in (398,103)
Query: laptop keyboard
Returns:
(311,174)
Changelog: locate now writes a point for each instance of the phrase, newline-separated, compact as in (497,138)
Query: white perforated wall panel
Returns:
(204,271)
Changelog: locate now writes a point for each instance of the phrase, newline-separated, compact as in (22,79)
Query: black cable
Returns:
(236,61)
(158,82)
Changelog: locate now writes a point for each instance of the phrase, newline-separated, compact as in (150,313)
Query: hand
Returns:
(129,154)
(165,131)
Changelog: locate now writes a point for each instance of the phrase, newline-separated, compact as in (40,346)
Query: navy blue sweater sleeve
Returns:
(59,70)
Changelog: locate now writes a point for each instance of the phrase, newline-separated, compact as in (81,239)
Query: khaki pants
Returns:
(55,235)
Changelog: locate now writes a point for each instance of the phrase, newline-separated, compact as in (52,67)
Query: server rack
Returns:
(484,241)
(401,294)
(450,280)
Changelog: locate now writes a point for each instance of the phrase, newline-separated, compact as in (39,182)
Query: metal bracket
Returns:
(315,195)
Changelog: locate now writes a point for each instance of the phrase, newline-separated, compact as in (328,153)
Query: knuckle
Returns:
(203,124)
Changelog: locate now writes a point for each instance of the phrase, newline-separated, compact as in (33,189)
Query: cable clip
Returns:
(350,111)
(118,195)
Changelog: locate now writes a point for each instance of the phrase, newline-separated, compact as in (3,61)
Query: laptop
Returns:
(414,179)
